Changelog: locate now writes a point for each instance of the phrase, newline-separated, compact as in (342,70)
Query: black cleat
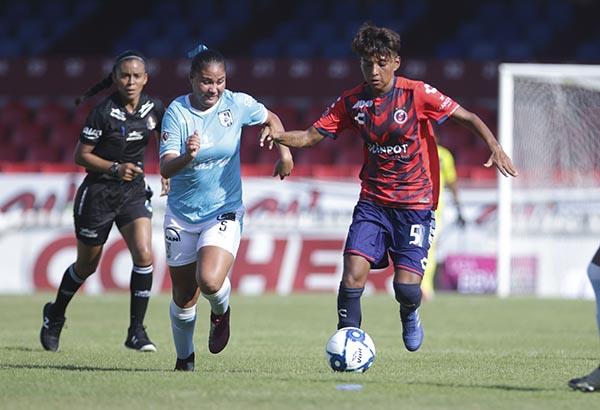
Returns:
(219,331)
(589,383)
(51,328)
(185,365)
(137,339)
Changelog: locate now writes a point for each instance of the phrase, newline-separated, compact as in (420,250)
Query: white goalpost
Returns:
(549,216)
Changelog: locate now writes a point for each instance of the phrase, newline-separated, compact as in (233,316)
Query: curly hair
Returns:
(371,41)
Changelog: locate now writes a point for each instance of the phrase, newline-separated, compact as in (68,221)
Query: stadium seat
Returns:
(50,114)
(64,135)
(28,135)
(43,153)
(14,112)
(11,152)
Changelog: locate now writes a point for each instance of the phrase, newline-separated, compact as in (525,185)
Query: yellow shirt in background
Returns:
(447,173)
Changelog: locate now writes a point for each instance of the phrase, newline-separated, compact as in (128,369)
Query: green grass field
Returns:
(479,353)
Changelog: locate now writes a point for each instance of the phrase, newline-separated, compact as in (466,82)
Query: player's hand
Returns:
(165,186)
(128,171)
(283,167)
(266,136)
(502,162)
(192,145)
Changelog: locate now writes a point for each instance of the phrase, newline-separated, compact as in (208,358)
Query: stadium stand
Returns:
(295,58)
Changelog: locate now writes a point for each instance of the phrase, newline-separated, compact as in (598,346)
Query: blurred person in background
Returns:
(447,179)
(400,174)
(111,149)
(591,382)
(200,155)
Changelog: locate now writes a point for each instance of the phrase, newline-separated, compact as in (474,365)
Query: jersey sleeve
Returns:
(170,136)
(334,120)
(252,111)
(93,128)
(432,104)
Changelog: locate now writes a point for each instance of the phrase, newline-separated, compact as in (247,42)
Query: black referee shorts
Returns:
(100,203)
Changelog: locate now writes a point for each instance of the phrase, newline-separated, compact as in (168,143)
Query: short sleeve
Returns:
(93,128)
(432,104)
(170,137)
(252,111)
(334,120)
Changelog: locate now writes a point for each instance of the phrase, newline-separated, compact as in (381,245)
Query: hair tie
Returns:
(199,48)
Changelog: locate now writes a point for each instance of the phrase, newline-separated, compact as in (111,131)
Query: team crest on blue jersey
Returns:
(226,118)
(400,116)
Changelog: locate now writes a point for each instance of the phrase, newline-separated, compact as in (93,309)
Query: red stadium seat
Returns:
(12,153)
(27,135)
(43,153)
(14,113)
(288,116)
(64,135)
(51,114)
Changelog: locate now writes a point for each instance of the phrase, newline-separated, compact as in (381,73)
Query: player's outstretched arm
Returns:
(296,139)
(285,163)
(498,157)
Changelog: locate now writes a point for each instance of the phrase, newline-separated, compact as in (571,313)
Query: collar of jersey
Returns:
(197,111)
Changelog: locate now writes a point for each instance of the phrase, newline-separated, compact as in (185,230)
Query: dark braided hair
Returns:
(372,41)
(108,80)
(202,56)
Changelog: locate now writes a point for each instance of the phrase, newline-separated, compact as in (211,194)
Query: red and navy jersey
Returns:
(401,166)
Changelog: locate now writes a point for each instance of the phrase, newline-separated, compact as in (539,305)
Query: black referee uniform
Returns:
(120,137)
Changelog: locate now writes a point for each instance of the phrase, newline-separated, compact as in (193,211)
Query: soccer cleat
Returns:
(219,331)
(412,331)
(185,365)
(137,339)
(51,328)
(589,383)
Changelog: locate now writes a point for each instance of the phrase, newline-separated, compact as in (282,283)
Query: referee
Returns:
(111,148)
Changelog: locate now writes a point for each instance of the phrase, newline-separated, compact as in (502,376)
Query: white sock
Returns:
(593,272)
(183,321)
(219,301)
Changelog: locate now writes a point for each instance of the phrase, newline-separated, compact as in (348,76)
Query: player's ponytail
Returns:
(108,80)
(95,89)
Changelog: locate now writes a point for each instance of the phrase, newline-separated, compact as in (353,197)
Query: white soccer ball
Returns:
(350,349)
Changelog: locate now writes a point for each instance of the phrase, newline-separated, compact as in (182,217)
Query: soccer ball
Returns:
(350,349)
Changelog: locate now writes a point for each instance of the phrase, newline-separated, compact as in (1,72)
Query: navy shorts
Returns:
(403,234)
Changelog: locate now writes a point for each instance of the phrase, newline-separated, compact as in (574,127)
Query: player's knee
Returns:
(408,294)
(184,297)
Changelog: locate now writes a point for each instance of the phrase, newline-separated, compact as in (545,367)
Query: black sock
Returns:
(348,305)
(68,286)
(140,287)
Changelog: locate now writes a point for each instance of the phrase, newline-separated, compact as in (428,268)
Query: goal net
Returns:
(549,216)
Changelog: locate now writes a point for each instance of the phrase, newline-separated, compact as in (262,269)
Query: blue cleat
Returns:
(412,331)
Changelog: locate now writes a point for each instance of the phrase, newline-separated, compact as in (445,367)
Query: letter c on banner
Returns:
(40,270)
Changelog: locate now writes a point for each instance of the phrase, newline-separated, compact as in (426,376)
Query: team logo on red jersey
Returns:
(400,116)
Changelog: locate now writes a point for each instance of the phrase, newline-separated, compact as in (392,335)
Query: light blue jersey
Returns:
(211,183)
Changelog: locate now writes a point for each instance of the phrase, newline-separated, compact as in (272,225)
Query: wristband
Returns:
(114,169)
